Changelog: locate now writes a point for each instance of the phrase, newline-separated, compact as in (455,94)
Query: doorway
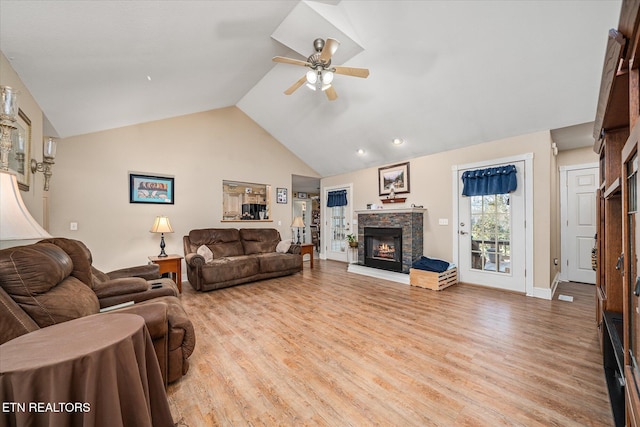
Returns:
(337,222)
(306,206)
(492,244)
(578,185)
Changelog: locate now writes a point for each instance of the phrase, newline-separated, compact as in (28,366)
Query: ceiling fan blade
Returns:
(352,71)
(331,93)
(330,47)
(284,60)
(296,85)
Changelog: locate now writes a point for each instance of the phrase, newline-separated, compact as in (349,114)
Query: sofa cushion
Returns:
(283,246)
(223,242)
(206,253)
(259,240)
(38,278)
(225,269)
(274,261)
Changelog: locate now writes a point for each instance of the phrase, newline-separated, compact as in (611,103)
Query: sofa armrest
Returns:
(155,315)
(122,286)
(294,249)
(147,272)
(194,260)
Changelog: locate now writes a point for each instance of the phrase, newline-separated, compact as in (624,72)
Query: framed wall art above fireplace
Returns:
(394,177)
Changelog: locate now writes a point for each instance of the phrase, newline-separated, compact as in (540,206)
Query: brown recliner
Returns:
(41,285)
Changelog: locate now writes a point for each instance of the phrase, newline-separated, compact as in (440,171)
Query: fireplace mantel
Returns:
(390,210)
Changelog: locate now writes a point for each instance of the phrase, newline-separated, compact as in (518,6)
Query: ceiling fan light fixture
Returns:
(327,77)
(325,87)
(311,86)
(312,77)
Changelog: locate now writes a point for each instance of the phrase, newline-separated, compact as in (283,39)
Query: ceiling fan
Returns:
(320,75)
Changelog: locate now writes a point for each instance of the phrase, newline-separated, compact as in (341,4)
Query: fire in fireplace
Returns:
(383,248)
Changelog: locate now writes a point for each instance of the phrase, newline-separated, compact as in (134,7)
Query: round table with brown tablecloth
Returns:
(99,370)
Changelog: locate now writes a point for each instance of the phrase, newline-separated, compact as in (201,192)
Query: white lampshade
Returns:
(298,222)
(161,225)
(16,223)
(327,77)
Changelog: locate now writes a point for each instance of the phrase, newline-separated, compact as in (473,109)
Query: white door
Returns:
(337,225)
(491,237)
(581,224)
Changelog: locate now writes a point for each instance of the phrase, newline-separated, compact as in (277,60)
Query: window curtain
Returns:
(483,182)
(337,198)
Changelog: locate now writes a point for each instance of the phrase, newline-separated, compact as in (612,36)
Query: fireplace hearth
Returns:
(383,248)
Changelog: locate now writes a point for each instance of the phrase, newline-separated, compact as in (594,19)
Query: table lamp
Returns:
(161,225)
(298,223)
(16,222)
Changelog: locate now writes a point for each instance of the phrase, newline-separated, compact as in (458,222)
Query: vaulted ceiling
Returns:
(443,74)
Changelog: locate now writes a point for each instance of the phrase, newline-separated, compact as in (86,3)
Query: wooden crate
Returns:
(431,280)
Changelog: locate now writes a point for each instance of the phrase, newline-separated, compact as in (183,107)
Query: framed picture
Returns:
(281,195)
(394,177)
(150,189)
(21,150)
(302,195)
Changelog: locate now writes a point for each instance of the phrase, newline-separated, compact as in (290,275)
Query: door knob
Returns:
(463,232)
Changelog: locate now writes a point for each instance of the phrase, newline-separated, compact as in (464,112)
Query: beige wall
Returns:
(90,184)
(431,186)
(33,198)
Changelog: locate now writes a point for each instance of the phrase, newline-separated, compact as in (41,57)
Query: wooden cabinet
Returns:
(617,134)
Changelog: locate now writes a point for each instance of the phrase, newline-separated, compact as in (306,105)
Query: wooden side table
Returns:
(307,248)
(170,264)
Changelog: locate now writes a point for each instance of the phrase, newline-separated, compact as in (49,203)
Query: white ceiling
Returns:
(444,74)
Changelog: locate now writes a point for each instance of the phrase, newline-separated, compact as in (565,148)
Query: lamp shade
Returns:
(16,223)
(298,222)
(161,225)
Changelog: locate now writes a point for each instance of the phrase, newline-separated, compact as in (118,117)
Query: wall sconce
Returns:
(48,154)
(8,112)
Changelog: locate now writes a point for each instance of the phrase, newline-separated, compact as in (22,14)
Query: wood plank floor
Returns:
(330,348)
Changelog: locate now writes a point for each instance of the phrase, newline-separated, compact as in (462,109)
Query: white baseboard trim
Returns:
(548,293)
(380,274)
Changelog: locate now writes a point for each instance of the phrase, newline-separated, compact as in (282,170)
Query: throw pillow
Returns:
(206,253)
(283,246)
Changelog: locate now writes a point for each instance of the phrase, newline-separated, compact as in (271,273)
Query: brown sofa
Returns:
(237,256)
(48,283)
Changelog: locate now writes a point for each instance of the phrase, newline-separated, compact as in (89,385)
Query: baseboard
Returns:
(547,293)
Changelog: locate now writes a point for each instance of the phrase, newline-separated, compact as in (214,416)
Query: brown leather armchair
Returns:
(137,284)
(42,284)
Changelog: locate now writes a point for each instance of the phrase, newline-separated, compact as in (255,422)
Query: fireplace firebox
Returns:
(383,248)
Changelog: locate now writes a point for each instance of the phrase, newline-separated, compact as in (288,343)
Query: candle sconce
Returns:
(49,155)
(8,112)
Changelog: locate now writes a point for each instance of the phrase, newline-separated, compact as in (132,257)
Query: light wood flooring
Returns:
(330,348)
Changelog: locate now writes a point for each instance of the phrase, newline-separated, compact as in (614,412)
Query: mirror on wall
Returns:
(245,201)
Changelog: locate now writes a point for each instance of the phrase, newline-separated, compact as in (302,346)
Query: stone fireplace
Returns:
(390,239)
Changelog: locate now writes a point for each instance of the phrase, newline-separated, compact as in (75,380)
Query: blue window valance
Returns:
(483,182)
(337,198)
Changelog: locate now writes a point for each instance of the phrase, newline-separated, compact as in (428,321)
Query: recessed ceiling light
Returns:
(360,151)
(149,78)
(398,141)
